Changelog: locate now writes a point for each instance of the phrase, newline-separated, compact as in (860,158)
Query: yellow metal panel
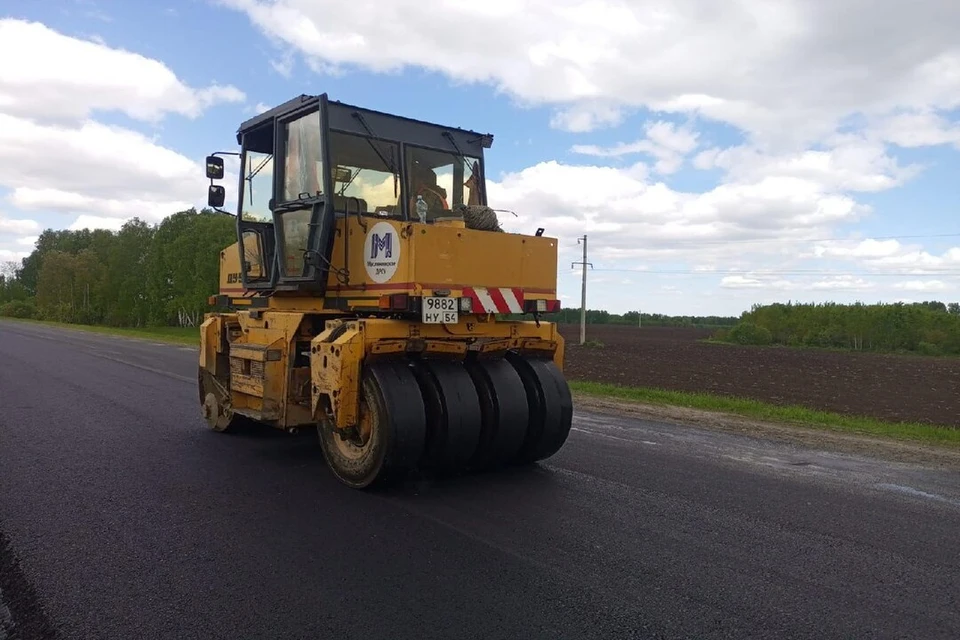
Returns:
(255,352)
(209,342)
(335,367)
(379,255)
(452,257)
(389,256)
(230,280)
(260,370)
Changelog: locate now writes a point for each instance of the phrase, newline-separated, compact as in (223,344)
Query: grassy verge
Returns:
(177,335)
(800,416)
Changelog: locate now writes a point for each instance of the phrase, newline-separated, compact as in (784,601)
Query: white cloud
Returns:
(924,285)
(636,218)
(889,256)
(790,75)
(789,70)
(868,248)
(841,283)
(664,141)
(760,234)
(96,222)
(8,255)
(94,168)
(587,117)
(918,129)
(777,283)
(15,226)
(851,164)
(59,78)
(55,157)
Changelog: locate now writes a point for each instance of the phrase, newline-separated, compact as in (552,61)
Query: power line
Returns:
(778,272)
(788,239)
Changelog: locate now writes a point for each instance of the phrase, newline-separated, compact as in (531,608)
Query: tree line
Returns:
(930,327)
(635,318)
(163,274)
(141,275)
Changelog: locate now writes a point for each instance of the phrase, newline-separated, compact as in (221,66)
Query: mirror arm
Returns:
(212,155)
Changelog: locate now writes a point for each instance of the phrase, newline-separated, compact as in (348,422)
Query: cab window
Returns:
(365,169)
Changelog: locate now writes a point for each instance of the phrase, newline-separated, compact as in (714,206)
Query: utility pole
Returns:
(583,290)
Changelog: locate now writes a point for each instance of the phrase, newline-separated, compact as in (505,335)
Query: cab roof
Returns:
(351,119)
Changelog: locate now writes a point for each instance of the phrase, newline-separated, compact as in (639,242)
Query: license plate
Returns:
(439,310)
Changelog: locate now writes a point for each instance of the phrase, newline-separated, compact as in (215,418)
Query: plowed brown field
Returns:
(893,387)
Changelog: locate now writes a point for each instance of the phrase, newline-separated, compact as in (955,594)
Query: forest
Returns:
(930,327)
(634,318)
(142,275)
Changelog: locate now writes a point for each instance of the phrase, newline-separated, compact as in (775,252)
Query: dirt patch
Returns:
(884,386)
(895,451)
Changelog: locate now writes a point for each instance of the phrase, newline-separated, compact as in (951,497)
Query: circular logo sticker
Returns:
(381,252)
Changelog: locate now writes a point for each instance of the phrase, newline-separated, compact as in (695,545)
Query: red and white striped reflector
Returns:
(495,300)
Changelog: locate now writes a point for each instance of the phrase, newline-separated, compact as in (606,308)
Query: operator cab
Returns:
(312,160)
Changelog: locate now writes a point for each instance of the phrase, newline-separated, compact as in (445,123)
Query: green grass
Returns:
(177,335)
(792,415)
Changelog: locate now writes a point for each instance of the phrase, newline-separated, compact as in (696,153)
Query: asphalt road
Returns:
(122,517)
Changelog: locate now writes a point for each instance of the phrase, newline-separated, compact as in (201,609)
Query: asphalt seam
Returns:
(87,351)
(144,367)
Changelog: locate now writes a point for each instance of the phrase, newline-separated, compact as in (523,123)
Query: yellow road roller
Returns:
(372,295)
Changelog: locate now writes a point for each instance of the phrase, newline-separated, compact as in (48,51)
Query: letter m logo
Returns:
(384,244)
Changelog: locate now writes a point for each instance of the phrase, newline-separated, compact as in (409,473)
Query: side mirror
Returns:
(216,195)
(343,174)
(214,167)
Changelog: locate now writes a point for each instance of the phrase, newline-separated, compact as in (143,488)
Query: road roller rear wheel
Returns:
(215,403)
(504,412)
(551,407)
(388,440)
(452,412)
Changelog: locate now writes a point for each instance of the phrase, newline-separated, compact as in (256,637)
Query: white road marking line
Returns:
(611,437)
(911,491)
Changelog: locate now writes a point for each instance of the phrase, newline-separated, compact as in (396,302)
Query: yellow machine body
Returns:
(426,258)
(424,349)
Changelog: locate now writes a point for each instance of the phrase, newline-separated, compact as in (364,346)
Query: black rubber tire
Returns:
(396,443)
(504,412)
(551,407)
(452,415)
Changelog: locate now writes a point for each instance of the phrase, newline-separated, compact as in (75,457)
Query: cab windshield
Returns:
(444,180)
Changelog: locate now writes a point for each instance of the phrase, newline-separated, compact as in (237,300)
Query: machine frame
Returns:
(392,376)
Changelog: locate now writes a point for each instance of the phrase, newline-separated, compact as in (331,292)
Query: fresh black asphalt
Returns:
(122,517)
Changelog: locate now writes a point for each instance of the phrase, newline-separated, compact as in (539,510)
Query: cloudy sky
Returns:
(715,154)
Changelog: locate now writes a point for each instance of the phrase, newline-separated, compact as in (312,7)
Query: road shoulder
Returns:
(931,456)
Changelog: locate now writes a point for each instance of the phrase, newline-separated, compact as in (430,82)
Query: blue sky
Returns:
(710,159)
